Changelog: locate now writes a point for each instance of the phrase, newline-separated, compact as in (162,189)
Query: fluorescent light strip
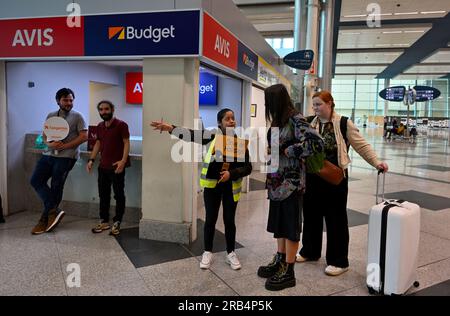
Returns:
(350,33)
(414,31)
(400,44)
(406,13)
(355,16)
(432,12)
(392,32)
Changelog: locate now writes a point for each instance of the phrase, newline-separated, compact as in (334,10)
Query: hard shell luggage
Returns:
(393,246)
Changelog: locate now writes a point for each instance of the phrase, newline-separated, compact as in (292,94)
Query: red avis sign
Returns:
(219,44)
(135,87)
(41,37)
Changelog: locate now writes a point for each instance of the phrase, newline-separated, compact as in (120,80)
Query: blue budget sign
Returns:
(247,62)
(142,34)
(208,89)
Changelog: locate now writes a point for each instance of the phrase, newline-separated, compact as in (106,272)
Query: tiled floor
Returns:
(38,265)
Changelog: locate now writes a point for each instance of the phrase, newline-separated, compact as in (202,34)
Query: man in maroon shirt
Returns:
(113,142)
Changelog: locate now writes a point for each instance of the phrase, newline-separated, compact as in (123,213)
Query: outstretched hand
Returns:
(161,126)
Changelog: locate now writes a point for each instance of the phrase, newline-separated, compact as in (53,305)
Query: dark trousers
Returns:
(221,193)
(321,200)
(51,167)
(106,178)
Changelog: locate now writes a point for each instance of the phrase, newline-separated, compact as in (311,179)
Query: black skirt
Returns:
(285,217)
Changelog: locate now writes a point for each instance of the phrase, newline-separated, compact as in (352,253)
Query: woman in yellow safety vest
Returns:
(221,181)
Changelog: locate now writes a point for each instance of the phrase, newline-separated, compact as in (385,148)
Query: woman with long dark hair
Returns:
(292,137)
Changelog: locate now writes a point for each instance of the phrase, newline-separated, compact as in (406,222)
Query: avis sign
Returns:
(40,37)
(219,45)
(135,87)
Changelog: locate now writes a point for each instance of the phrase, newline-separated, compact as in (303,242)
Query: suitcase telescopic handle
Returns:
(381,171)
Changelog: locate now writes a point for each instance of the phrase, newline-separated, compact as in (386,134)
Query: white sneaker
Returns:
(207,259)
(299,258)
(233,261)
(335,271)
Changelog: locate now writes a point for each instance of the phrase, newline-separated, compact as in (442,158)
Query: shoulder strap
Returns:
(343,126)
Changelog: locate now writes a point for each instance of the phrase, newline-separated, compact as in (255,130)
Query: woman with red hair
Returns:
(325,200)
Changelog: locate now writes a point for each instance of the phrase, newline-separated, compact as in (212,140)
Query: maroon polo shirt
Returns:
(111,142)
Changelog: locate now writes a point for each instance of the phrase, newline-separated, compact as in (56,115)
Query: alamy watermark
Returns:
(232,144)
(74,17)
(374,15)
(73,279)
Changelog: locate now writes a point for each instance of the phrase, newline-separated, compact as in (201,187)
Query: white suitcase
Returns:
(393,246)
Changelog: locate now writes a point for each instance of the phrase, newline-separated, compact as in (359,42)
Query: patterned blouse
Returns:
(299,139)
(330,147)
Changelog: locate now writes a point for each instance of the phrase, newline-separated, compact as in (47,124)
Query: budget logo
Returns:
(116,32)
(156,34)
(248,62)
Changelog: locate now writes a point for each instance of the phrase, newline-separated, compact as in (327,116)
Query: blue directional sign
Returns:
(301,59)
(425,93)
(394,94)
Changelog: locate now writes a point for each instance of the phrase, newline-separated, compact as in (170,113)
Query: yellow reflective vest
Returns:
(211,183)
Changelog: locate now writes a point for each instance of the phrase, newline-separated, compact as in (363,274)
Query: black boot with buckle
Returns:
(284,278)
(272,268)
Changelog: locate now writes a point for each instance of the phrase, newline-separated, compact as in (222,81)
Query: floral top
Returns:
(286,174)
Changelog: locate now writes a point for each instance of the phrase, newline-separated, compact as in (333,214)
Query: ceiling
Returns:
(412,42)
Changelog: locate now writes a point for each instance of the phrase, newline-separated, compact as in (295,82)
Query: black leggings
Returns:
(321,200)
(221,193)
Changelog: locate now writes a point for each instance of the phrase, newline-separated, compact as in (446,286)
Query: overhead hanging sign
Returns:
(143,34)
(247,62)
(301,59)
(219,44)
(394,94)
(172,33)
(40,37)
(425,93)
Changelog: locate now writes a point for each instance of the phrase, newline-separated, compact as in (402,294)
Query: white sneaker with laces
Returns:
(335,271)
(233,261)
(207,259)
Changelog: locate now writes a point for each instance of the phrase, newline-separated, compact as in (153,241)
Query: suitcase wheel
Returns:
(371,290)
(416,284)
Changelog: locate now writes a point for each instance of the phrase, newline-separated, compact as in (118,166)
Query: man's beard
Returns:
(107,116)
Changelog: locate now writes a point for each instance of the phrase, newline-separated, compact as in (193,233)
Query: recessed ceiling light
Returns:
(406,13)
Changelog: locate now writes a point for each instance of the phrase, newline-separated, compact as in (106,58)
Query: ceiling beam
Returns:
(404,22)
(336,18)
(370,50)
(437,37)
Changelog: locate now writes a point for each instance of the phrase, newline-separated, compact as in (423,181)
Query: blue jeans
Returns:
(57,169)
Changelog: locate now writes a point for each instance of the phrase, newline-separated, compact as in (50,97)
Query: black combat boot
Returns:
(272,268)
(284,278)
